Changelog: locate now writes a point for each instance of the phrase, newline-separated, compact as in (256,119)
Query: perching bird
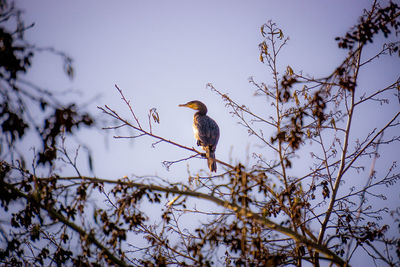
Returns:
(206,131)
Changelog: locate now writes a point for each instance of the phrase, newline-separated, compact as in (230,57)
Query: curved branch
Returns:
(57,216)
(143,132)
(226,204)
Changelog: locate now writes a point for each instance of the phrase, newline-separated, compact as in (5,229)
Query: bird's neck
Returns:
(202,109)
(201,113)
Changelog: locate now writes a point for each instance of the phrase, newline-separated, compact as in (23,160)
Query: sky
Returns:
(163,53)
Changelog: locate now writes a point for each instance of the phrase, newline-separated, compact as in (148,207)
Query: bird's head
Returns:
(196,105)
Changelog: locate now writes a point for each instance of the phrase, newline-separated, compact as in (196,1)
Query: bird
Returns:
(206,131)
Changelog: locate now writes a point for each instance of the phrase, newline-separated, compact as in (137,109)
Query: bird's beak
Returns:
(182,105)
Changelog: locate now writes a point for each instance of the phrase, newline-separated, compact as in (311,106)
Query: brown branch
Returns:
(370,142)
(57,216)
(341,167)
(129,105)
(392,86)
(143,132)
(231,206)
(236,106)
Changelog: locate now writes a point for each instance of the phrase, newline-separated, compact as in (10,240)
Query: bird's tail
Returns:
(212,164)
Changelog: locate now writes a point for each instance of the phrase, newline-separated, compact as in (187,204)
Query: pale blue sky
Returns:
(163,53)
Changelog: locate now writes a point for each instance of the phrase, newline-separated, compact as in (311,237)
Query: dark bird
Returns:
(205,130)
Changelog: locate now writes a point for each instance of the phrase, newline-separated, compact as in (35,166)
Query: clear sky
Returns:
(163,53)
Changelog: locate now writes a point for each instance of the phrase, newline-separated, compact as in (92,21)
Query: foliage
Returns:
(21,100)
(263,215)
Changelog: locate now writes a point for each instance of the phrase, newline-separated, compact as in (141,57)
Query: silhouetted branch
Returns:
(232,206)
(107,110)
(57,216)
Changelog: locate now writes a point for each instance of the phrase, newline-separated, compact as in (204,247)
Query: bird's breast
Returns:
(195,131)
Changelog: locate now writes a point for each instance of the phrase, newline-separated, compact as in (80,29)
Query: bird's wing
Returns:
(207,131)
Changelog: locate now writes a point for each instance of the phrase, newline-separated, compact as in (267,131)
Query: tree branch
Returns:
(234,207)
(57,216)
